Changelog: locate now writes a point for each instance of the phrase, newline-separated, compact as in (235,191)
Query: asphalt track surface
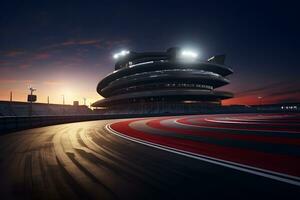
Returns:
(207,156)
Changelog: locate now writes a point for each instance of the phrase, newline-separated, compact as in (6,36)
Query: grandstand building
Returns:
(174,81)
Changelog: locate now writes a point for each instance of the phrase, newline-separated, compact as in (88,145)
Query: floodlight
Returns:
(189,54)
(121,54)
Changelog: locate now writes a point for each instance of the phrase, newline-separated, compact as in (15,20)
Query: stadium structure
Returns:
(174,81)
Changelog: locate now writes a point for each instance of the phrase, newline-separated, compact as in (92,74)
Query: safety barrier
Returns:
(11,124)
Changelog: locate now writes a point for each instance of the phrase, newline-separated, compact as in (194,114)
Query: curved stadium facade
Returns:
(163,82)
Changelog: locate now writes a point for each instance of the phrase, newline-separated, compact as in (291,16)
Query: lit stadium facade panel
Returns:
(162,82)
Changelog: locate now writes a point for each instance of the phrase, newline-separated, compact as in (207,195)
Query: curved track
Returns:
(213,156)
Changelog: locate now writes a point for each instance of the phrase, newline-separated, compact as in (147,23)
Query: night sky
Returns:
(66,47)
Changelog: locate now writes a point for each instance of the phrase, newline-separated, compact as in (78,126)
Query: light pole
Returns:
(31,99)
(63,107)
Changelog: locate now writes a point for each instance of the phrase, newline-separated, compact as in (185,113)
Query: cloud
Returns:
(99,43)
(109,44)
(24,61)
(21,59)
(8,81)
(277,92)
(268,90)
(289,100)
(292,92)
(41,56)
(73,43)
(11,81)
(13,53)
(260,89)
(3,62)
(88,42)
(24,66)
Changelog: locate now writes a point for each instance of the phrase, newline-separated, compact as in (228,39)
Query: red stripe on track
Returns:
(255,122)
(279,163)
(255,127)
(288,121)
(221,135)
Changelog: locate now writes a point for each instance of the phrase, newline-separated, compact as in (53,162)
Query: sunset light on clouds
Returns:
(59,69)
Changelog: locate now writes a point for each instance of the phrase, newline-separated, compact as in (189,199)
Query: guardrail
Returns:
(11,124)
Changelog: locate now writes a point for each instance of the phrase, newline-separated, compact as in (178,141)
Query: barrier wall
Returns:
(10,124)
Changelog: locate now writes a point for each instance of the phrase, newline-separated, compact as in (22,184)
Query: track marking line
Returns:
(237,129)
(294,180)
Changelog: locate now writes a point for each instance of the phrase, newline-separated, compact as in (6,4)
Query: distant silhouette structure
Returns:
(31,98)
(15,108)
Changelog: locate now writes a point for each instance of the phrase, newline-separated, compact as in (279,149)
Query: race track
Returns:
(210,156)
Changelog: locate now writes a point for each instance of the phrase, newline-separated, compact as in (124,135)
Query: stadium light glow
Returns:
(121,54)
(189,54)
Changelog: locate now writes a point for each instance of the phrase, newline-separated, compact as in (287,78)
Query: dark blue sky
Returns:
(69,43)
